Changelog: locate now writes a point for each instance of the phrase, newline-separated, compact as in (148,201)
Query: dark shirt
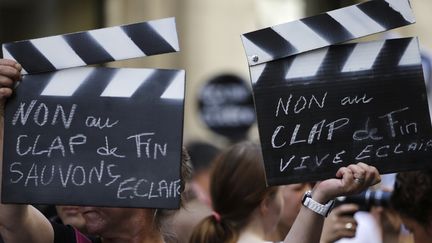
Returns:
(68,234)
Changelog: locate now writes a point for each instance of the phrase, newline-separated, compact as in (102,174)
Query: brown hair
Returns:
(237,187)
(162,214)
(412,196)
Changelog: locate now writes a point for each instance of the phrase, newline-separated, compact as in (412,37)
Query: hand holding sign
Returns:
(9,74)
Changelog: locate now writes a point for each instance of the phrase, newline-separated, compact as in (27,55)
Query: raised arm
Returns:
(350,180)
(18,223)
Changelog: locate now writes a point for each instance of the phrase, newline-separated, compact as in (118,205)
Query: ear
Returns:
(265,204)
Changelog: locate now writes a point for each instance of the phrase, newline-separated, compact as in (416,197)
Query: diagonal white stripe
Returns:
(307,64)
(256,72)
(411,55)
(176,89)
(167,29)
(126,81)
(363,56)
(252,49)
(404,8)
(67,81)
(300,36)
(356,21)
(7,55)
(58,52)
(116,43)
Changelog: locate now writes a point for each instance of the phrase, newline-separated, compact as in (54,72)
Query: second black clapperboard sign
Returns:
(95,136)
(322,106)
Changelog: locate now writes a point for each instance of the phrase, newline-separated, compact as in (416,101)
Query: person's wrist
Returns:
(320,196)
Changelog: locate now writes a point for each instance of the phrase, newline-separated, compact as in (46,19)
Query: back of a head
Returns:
(201,154)
(412,196)
(237,189)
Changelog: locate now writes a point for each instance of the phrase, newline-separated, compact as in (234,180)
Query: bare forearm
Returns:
(306,228)
(21,223)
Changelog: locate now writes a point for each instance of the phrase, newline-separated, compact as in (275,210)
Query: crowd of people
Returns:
(226,200)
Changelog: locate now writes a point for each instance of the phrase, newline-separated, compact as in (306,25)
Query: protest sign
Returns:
(91,135)
(324,106)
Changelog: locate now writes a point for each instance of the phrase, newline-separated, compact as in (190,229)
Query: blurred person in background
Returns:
(197,200)
(412,199)
(292,195)
(339,224)
(246,211)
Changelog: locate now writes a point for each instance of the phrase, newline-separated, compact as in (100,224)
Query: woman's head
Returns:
(238,189)
(109,222)
(412,199)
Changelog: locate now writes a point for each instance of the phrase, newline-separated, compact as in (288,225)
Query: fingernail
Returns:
(18,66)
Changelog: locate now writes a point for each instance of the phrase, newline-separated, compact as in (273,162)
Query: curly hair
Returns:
(412,196)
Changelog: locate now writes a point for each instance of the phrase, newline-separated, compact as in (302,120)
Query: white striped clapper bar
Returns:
(347,60)
(94,46)
(326,29)
(117,83)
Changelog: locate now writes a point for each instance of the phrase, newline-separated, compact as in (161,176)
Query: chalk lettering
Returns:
(355,100)
(275,133)
(158,149)
(92,121)
(301,99)
(56,144)
(391,120)
(106,151)
(163,186)
(83,176)
(110,174)
(333,127)
(137,186)
(150,195)
(45,115)
(337,159)
(284,107)
(78,139)
(319,161)
(64,180)
(365,150)
(21,114)
(41,114)
(315,132)
(294,136)
(66,121)
(383,151)
(382,155)
(284,165)
(366,133)
(99,173)
(32,175)
(69,175)
(302,166)
(300,104)
(132,188)
(43,175)
(396,150)
(121,189)
(12,170)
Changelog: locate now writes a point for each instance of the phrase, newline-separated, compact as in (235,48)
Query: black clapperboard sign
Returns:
(95,136)
(321,106)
